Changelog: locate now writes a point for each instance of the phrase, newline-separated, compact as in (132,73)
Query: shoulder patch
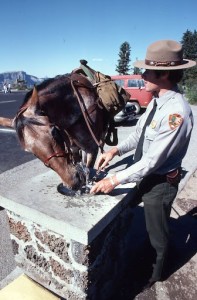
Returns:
(175,120)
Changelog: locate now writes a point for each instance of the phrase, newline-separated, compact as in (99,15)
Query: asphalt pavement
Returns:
(12,154)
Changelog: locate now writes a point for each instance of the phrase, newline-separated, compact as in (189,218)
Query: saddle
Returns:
(113,97)
(81,80)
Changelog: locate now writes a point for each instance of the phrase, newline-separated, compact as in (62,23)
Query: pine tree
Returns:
(137,71)
(189,42)
(123,62)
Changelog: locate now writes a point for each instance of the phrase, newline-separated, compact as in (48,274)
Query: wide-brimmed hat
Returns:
(164,55)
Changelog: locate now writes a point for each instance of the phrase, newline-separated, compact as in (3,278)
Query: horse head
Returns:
(49,143)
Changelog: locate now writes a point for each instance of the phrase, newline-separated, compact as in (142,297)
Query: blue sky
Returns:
(49,37)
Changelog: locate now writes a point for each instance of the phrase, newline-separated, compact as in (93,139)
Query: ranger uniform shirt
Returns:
(166,139)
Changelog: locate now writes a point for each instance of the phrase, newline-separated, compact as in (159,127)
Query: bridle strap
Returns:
(55,154)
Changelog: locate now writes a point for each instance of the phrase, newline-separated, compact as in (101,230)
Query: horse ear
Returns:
(5,122)
(33,101)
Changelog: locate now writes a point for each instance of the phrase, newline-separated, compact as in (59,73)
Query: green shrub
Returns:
(191,93)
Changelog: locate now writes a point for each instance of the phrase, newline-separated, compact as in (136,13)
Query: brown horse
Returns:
(58,120)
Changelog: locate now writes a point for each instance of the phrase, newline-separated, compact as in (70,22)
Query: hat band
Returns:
(163,63)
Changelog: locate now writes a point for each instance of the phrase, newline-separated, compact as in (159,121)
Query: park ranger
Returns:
(161,139)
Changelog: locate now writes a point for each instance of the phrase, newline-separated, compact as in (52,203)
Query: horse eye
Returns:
(55,133)
(41,112)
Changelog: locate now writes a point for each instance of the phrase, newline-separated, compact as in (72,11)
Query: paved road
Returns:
(10,102)
(11,153)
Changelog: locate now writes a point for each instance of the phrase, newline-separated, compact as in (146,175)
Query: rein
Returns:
(85,115)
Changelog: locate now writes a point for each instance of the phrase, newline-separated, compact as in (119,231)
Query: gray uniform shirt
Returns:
(166,138)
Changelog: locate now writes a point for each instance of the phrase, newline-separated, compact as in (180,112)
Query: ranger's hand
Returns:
(105,185)
(104,159)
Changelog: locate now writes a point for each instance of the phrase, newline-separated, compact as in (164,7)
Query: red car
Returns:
(134,85)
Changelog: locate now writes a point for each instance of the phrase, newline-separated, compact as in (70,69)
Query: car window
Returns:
(119,82)
(136,83)
(133,83)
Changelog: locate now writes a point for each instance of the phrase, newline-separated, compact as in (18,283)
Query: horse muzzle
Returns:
(79,182)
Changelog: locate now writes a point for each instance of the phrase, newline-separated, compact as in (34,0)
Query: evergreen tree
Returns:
(137,71)
(189,42)
(123,62)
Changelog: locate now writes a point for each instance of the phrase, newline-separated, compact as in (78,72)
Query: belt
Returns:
(172,177)
(174,173)
(171,174)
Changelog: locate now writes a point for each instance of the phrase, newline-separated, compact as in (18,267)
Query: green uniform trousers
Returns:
(157,195)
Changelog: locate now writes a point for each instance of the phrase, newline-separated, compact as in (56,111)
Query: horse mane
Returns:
(55,83)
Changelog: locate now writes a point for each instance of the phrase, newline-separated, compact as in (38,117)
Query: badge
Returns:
(175,120)
(153,124)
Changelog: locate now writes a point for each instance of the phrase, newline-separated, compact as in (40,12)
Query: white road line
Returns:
(9,130)
(3,102)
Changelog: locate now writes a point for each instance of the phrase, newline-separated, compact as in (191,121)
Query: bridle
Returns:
(55,154)
(60,153)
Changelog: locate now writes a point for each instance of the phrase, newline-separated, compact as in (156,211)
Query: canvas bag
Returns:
(113,97)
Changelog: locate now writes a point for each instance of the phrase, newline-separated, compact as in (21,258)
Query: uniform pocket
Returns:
(150,134)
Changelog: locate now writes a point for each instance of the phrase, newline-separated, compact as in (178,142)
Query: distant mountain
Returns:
(13,77)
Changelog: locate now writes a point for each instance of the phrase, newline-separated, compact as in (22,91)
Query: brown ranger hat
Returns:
(164,55)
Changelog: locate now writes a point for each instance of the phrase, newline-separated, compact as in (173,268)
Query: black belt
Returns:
(174,173)
(172,177)
(149,181)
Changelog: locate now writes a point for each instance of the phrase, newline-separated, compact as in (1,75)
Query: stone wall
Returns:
(68,268)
